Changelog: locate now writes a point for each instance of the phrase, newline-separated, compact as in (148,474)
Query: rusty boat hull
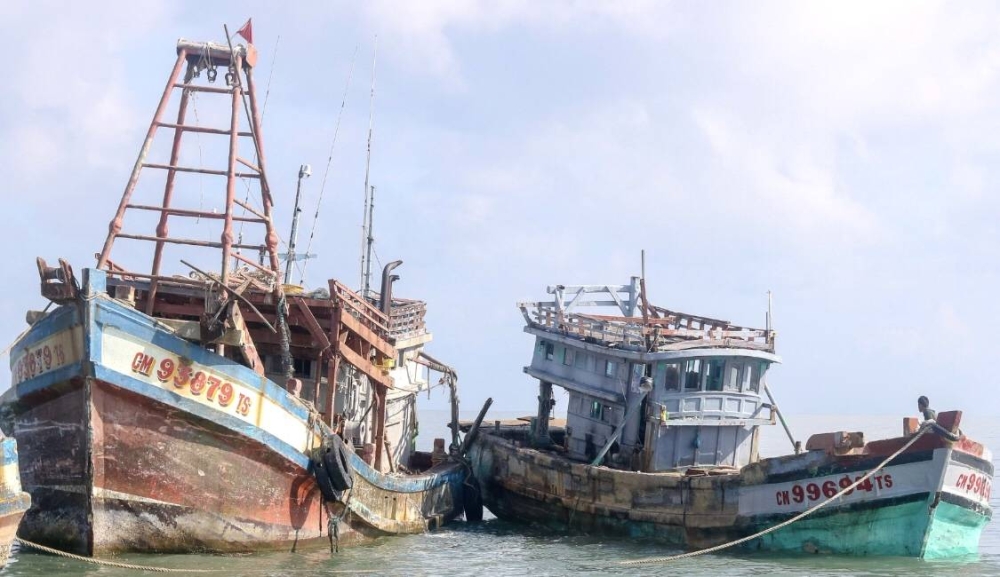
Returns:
(135,440)
(930,502)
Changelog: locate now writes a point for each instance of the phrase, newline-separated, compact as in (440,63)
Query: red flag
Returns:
(247,30)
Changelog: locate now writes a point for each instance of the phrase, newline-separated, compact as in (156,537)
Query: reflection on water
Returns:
(496,548)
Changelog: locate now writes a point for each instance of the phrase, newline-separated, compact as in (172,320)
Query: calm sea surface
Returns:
(496,548)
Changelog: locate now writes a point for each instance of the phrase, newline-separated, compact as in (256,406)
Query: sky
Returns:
(842,155)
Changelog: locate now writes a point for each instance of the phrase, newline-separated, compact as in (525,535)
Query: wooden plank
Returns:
(374,373)
(312,324)
(246,344)
(365,333)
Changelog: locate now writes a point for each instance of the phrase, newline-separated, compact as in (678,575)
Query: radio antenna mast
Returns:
(367,237)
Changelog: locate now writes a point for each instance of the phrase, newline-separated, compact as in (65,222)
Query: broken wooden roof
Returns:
(639,325)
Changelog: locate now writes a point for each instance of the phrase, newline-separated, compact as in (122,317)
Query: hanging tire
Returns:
(336,461)
(318,469)
(472,500)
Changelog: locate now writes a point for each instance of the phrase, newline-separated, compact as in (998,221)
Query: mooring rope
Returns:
(651,560)
(107,563)
(155,569)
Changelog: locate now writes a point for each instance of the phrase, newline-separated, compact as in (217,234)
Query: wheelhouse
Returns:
(656,392)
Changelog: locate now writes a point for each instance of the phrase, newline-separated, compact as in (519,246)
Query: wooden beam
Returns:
(365,333)
(312,324)
(246,344)
(379,426)
(362,364)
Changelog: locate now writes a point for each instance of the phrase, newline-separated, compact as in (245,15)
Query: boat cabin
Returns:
(655,392)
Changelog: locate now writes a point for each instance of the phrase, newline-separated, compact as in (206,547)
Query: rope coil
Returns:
(652,560)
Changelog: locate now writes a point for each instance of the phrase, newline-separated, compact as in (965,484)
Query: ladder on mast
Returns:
(194,58)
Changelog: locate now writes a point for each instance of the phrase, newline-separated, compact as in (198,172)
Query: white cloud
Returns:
(70,85)
(421,32)
(791,188)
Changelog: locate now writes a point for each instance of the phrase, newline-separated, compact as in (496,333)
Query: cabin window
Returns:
(568,355)
(750,382)
(733,377)
(610,368)
(692,375)
(755,384)
(302,368)
(550,351)
(580,360)
(596,410)
(672,380)
(713,374)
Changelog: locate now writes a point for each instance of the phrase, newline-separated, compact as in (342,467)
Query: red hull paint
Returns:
(153,478)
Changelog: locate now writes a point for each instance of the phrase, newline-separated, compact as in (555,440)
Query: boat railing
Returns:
(359,308)
(667,327)
(406,319)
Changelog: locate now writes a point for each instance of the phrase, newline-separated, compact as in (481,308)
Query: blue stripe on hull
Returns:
(106,312)
(62,318)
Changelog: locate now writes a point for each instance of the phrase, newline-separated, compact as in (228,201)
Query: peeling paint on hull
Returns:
(118,463)
(918,509)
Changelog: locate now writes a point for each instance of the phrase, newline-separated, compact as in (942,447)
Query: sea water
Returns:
(496,548)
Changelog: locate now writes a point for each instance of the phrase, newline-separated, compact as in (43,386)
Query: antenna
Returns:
(366,228)
(329,161)
(370,240)
(305,171)
(770,317)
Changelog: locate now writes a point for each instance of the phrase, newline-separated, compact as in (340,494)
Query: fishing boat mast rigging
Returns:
(148,363)
(367,238)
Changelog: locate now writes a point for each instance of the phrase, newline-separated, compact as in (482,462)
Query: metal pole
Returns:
(796,446)
(234,128)
(366,269)
(304,172)
(474,431)
(116,223)
(621,428)
(454,413)
(370,240)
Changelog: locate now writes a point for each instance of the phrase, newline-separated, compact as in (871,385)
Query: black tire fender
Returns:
(318,469)
(472,500)
(336,461)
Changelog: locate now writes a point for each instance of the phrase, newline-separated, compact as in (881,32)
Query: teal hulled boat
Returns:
(661,440)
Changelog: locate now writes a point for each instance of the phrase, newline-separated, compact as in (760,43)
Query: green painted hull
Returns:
(954,531)
(916,528)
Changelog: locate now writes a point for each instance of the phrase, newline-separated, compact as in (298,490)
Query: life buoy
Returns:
(337,463)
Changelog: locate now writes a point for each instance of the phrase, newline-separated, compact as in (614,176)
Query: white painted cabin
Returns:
(685,391)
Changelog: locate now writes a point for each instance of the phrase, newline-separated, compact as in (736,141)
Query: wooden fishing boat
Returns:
(220,411)
(661,440)
(13,501)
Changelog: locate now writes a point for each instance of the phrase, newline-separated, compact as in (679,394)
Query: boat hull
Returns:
(13,501)
(122,455)
(932,502)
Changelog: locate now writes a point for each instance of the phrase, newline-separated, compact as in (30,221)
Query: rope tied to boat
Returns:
(107,563)
(924,428)
(333,522)
(154,569)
